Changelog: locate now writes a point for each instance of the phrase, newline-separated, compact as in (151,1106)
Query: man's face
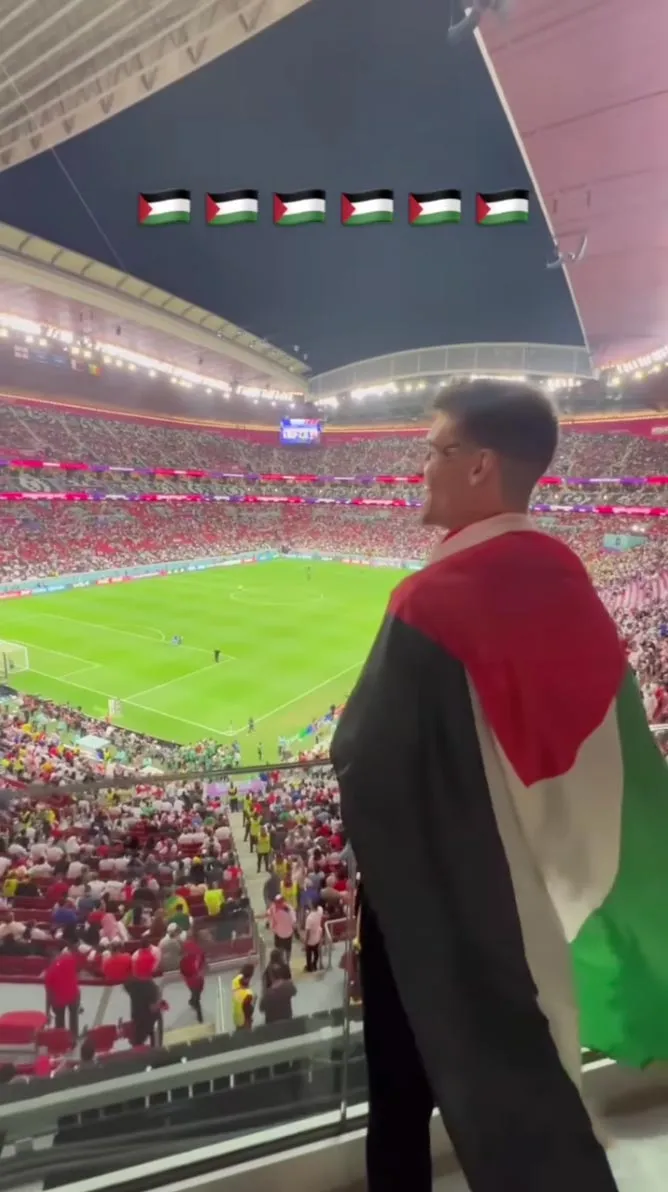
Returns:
(446,476)
(462,481)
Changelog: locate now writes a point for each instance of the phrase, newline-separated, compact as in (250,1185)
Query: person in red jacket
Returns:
(116,964)
(193,968)
(146,960)
(63,994)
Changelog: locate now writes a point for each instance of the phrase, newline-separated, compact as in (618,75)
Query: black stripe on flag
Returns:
(367,196)
(432,196)
(163,196)
(504,196)
(298,196)
(231,196)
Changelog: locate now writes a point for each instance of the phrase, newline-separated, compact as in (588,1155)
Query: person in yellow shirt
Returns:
(214,899)
(243,1002)
(290,891)
(10,884)
(263,845)
(255,825)
(247,806)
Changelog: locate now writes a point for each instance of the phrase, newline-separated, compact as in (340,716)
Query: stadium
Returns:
(202,525)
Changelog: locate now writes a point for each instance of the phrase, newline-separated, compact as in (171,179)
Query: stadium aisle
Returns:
(254,880)
(315,992)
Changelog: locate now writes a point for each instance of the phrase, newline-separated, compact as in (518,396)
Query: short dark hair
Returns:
(516,421)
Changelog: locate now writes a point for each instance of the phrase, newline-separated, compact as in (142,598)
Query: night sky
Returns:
(347,95)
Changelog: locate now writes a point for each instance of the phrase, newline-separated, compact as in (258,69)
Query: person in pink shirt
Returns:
(313,931)
(282,921)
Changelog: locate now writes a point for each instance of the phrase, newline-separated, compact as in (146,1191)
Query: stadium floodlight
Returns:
(13,660)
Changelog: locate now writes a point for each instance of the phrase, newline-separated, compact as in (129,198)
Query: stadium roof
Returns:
(586,86)
(402,384)
(46,284)
(70,64)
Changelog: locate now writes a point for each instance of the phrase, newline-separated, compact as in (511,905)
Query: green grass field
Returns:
(290,647)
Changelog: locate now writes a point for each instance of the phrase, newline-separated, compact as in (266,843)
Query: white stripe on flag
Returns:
(234,206)
(373,206)
(436,206)
(509,207)
(304,207)
(170,206)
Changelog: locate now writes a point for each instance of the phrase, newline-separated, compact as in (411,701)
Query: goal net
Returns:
(13,659)
(115,708)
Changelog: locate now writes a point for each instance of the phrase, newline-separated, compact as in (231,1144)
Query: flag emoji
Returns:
(435,207)
(232,207)
(367,207)
(165,207)
(300,207)
(504,207)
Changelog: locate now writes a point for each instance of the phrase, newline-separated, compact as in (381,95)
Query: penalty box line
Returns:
(304,695)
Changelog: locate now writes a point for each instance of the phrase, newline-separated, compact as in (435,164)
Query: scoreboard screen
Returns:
(300,432)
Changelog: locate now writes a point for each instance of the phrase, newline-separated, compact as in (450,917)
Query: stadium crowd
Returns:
(35,481)
(30,431)
(121,887)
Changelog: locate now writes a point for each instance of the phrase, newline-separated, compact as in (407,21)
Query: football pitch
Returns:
(290,647)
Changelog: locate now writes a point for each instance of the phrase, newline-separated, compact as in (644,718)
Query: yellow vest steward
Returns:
(263,845)
(239,998)
(255,828)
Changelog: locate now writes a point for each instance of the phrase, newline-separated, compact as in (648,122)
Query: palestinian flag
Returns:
(524,802)
(367,207)
(435,207)
(504,207)
(164,207)
(300,207)
(232,207)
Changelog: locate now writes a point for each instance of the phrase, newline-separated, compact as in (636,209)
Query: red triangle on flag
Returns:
(482,209)
(144,210)
(279,209)
(414,209)
(347,209)
(211,209)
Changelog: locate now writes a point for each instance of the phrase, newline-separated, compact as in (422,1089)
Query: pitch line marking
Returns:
(80,686)
(288,704)
(48,650)
(143,707)
(208,728)
(177,679)
(111,629)
(81,670)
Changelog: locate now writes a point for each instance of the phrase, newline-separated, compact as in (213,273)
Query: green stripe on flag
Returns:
(508,217)
(371,218)
(237,217)
(304,217)
(440,217)
(168,217)
(620,954)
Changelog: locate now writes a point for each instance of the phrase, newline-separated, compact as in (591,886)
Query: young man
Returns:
(216,656)
(503,692)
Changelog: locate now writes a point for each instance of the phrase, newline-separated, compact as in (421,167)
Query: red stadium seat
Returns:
(57,1040)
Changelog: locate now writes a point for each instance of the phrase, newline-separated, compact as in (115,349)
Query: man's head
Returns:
(490,443)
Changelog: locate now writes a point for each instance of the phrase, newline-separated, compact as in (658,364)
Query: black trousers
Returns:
(312,958)
(72,1012)
(195,1001)
(263,859)
(283,945)
(562,1156)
